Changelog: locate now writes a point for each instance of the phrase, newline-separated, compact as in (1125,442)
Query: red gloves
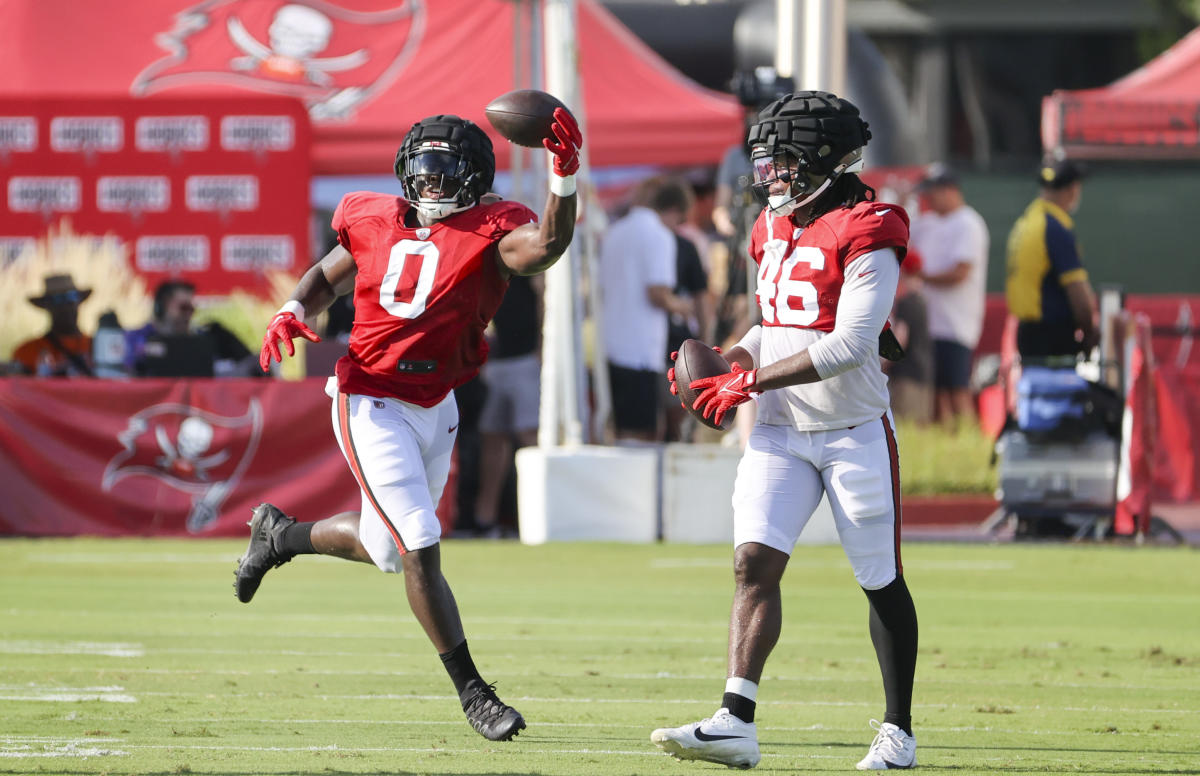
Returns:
(722,393)
(570,140)
(283,327)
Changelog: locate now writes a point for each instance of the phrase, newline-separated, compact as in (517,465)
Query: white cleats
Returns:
(892,748)
(723,739)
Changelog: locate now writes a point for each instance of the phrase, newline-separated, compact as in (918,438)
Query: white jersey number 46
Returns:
(783,299)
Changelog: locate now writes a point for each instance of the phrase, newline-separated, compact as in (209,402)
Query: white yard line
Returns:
(596,674)
(34,692)
(609,725)
(105,648)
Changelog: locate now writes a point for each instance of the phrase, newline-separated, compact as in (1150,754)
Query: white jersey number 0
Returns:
(409,258)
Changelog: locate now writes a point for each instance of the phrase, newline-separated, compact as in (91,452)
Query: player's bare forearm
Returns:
(740,356)
(325,281)
(534,248)
(793,370)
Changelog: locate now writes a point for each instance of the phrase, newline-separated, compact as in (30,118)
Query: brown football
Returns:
(697,360)
(523,116)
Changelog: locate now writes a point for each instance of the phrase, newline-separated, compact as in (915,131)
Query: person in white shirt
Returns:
(638,274)
(952,239)
(829,258)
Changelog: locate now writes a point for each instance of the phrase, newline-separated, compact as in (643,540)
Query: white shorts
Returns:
(400,455)
(513,394)
(784,472)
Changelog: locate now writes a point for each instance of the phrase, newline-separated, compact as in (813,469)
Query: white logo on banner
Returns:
(18,133)
(240,253)
(36,194)
(199,453)
(172,253)
(12,247)
(133,194)
(171,133)
(257,133)
(87,133)
(222,192)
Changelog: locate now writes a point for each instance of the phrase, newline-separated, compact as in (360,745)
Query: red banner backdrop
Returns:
(210,189)
(165,457)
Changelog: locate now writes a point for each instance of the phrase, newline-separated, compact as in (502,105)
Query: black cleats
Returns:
(262,554)
(491,717)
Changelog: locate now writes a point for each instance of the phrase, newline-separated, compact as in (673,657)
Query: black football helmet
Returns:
(807,140)
(445,164)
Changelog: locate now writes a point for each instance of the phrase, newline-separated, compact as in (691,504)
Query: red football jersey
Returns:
(801,271)
(422,297)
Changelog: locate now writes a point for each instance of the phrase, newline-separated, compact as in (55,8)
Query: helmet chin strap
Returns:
(436,209)
(782,205)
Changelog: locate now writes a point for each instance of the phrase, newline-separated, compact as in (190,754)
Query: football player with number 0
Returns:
(829,258)
(428,271)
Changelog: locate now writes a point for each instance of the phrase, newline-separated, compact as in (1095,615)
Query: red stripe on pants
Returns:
(356,467)
(894,458)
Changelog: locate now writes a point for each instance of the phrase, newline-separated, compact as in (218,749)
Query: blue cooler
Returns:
(1049,400)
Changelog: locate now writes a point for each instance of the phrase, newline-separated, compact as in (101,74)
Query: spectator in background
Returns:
(952,239)
(64,350)
(513,375)
(733,214)
(674,203)
(1047,289)
(910,380)
(168,346)
(637,273)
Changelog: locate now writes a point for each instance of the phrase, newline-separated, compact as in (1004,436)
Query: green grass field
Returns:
(133,657)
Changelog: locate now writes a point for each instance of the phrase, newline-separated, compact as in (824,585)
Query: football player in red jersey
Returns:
(829,258)
(427,271)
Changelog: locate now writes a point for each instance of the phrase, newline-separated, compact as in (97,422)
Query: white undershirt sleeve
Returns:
(866,301)
(751,342)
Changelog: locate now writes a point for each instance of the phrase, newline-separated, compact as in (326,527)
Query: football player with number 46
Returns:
(829,258)
(428,271)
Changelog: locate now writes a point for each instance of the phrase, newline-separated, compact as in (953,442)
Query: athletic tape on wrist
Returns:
(562,186)
(293,307)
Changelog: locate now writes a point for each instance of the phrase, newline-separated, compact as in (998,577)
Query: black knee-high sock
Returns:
(461,668)
(894,634)
(297,539)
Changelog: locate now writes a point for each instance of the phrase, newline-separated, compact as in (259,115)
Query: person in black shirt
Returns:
(510,411)
(691,282)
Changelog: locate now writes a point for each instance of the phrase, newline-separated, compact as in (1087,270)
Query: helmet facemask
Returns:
(794,169)
(438,180)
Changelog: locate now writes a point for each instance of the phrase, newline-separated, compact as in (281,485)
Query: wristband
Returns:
(562,185)
(293,307)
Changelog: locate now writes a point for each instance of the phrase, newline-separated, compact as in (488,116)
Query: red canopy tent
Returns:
(366,69)
(1154,112)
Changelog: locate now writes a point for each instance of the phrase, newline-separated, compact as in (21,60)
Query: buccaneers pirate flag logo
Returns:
(333,57)
(194,451)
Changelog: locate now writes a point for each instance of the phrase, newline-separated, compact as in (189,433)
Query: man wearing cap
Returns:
(63,350)
(1047,288)
(952,239)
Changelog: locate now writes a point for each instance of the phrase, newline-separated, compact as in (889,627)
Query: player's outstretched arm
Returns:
(533,248)
(326,280)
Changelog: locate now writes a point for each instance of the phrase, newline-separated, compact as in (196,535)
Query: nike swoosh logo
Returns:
(883,212)
(864,274)
(451,429)
(702,736)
